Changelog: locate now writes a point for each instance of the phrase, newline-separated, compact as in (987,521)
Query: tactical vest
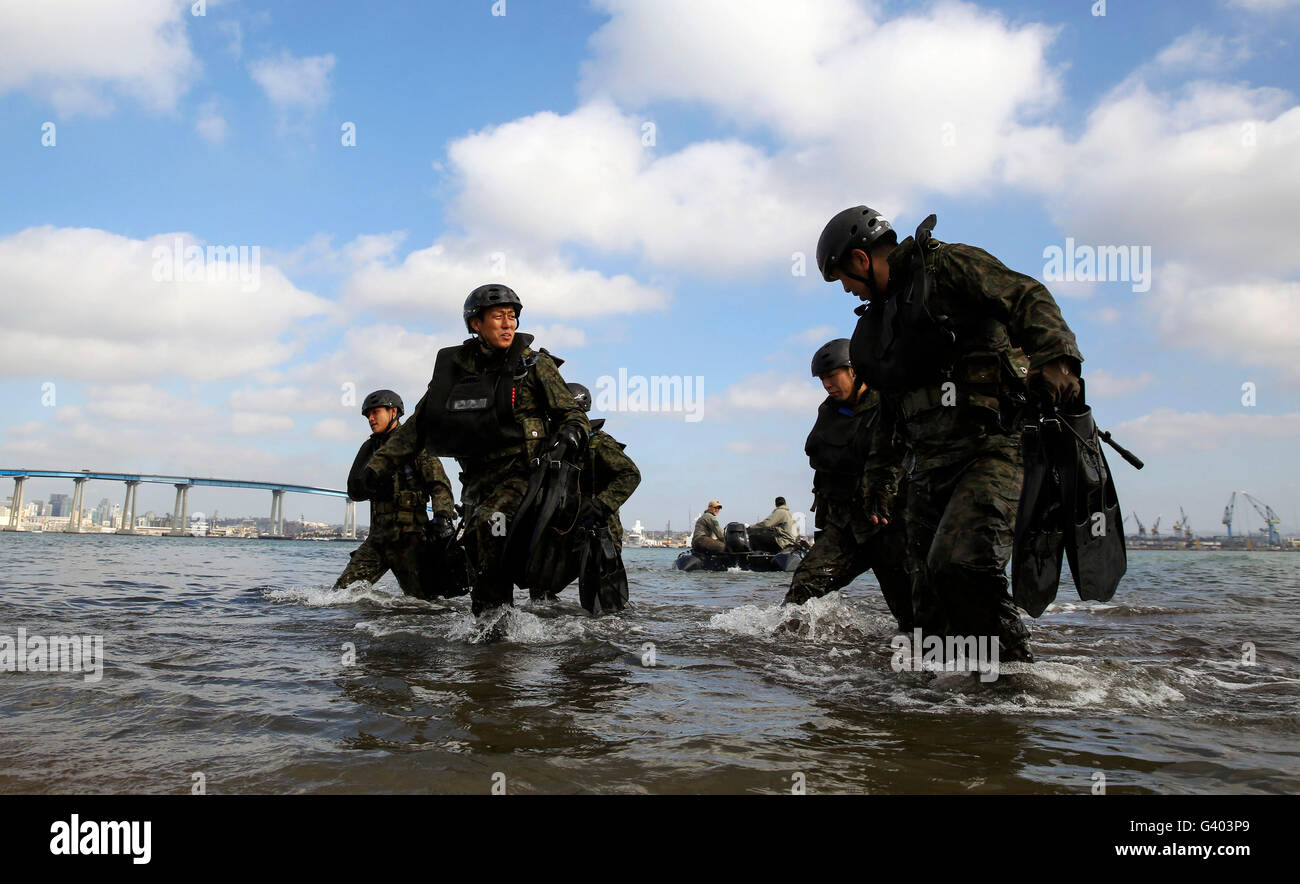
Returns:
(470,414)
(403,507)
(837,447)
(900,347)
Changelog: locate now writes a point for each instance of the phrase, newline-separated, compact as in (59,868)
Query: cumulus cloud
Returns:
(1250,322)
(294,83)
(433,282)
(88,301)
(1168,430)
(770,391)
(252,423)
(1103,384)
(80,54)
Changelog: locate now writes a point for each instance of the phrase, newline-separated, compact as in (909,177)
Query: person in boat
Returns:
(782,526)
(399,518)
(708,536)
(496,405)
(951,339)
(847,544)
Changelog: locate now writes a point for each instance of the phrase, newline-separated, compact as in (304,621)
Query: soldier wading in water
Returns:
(944,338)
(494,404)
(847,542)
(399,508)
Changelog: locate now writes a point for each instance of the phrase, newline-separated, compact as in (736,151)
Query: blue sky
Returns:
(515,148)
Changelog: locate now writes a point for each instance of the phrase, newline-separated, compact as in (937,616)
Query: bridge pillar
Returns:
(180,512)
(78,501)
(350,520)
(128,509)
(277,513)
(16,505)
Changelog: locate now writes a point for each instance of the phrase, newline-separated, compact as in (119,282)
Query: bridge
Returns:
(179,512)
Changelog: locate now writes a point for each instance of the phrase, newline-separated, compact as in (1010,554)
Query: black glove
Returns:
(570,435)
(1057,381)
(442,526)
(594,511)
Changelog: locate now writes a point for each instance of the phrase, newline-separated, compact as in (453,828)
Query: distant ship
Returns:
(635,536)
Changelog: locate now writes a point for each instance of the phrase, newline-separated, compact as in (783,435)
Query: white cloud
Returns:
(252,423)
(283,399)
(79,54)
(335,429)
(211,125)
(85,302)
(1166,430)
(1103,384)
(769,391)
(433,283)
(294,83)
(558,337)
(143,404)
(1252,322)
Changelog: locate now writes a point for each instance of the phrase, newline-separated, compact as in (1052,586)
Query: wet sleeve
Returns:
(359,487)
(401,446)
(1031,314)
(883,468)
(436,482)
(625,475)
(559,404)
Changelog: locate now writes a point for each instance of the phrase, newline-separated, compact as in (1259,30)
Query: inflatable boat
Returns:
(748,550)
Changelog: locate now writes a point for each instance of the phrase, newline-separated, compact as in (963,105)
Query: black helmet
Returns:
(855,228)
(491,295)
(581,395)
(382,399)
(830,356)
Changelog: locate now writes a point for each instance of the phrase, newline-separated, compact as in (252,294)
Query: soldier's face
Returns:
(839,384)
(496,327)
(380,417)
(857,264)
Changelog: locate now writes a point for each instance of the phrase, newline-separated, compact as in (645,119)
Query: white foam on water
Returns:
(361,591)
(827,618)
(514,625)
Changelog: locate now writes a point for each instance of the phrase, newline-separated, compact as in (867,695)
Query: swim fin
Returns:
(1068,505)
(1094,538)
(1039,538)
(602,579)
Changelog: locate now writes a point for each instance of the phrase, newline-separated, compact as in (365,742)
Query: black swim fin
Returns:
(1094,538)
(602,579)
(1040,539)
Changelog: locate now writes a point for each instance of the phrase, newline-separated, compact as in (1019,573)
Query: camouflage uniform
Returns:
(493,484)
(398,515)
(847,544)
(613,472)
(964,468)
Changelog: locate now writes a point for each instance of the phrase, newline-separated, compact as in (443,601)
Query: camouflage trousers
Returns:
(838,557)
(960,524)
(405,556)
(493,499)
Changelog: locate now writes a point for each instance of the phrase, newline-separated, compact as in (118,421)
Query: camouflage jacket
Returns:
(542,402)
(1020,327)
(399,501)
(612,474)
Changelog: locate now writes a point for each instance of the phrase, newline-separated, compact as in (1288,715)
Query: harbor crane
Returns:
(1181,526)
(1155,527)
(1270,518)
